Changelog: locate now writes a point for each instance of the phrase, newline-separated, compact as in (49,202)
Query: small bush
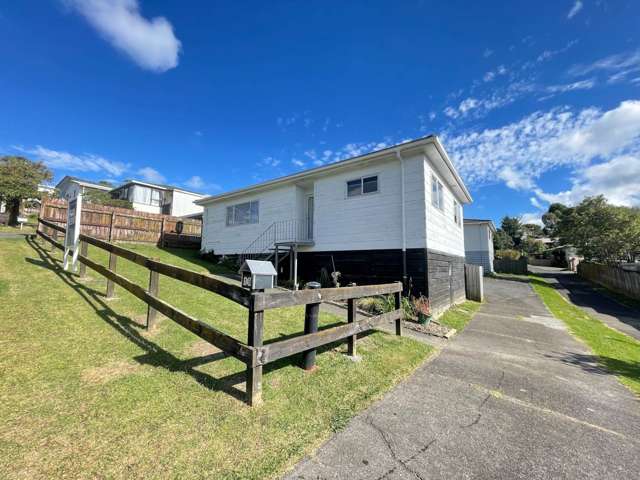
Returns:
(508,254)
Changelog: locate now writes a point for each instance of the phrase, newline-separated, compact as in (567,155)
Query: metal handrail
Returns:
(283,231)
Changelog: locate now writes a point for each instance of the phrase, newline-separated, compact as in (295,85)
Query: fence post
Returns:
(398,302)
(113,258)
(154,287)
(113,221)
(162,233)
(254,374)
(84,251)
(351,318)
(311,313)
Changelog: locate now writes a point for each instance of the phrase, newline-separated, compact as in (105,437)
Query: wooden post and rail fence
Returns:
(254,353)
(121,224)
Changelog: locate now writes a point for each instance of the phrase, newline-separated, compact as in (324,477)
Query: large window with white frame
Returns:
(362,186)
(243,213)
(437,193)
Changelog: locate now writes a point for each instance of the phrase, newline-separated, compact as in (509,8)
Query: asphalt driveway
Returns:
(513,396)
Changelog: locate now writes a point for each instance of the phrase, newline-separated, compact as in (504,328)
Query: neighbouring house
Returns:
(390,215)
(69,187)
(478,243)
(153,198)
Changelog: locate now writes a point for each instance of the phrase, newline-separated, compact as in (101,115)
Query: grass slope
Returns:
(457,317)
(86,392)
(619,353)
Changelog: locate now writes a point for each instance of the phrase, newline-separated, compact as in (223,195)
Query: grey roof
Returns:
(85,182)
(156,185)
(258,267)
(477,221)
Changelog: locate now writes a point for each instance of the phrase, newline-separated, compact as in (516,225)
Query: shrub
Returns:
(508,254)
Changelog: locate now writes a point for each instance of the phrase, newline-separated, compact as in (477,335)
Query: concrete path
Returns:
(513,396)
(580,292)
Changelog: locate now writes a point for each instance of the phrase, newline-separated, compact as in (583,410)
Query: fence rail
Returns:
(253,353)
(614,278)
(121,224)
(507,265)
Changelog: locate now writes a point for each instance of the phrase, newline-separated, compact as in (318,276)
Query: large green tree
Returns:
(602,232)
(512,227)
(532,230)
(19,179)
(553,217)
(502,240)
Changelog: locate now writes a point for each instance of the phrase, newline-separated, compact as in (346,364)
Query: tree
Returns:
(600,231)
(553,217)
(531,246)
(101,197)
(19,179)
(512,227)
(531,230)
(502,241)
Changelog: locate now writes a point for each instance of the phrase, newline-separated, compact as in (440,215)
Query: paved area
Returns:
(513,396)
(581,293)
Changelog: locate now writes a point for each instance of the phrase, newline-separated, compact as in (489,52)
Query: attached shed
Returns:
(478,243)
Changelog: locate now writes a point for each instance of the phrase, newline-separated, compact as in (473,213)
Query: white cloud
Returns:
(618,180)
(543,141)
(487,53)
(195,182)
(577,6)
(581,85)
(535,218)
(627,62)
(150,43)
(515,180)
(536,203)
(75,163)
(297,163)
(489,76)
(269,162)
(151,175)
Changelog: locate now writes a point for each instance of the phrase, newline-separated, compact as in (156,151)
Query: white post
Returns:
(72,234)
(295,267)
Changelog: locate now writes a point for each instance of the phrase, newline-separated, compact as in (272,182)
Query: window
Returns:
(155,198)
(362,186)
(243,213)
(437,193)
(457,213)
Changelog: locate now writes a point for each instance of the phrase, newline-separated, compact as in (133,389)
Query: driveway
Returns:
(513,396)
(581,293)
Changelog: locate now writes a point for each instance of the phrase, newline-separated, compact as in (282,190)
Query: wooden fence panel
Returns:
(474,282)
(614,278)
(507,265)
(121,224)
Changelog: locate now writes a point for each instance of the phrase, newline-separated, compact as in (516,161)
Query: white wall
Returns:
(145,207)
(443,234)
(182,203)
(276,204)
(476,237)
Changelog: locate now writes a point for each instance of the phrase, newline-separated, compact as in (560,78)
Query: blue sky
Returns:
(534,101)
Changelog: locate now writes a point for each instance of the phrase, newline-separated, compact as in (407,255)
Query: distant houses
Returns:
(144,197)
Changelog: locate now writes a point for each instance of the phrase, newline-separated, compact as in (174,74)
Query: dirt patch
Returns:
(432,328)
(201,349)
(111,371)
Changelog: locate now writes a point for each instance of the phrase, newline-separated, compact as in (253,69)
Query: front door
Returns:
(310,217)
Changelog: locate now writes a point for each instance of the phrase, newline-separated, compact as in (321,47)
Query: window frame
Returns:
(457,213)
(438,200)
(230,220)
(361,182)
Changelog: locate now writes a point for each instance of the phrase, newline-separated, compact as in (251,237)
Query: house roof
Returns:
(155,185)
(84,183)
(429,144)
(477,221)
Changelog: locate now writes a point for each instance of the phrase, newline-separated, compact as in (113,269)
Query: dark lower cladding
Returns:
(445,277)
(434,274)
(367,267)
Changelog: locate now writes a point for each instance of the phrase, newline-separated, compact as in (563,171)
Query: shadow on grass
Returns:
(155,355)
(599,365)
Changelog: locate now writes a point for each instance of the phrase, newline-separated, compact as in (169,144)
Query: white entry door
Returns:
(310,217)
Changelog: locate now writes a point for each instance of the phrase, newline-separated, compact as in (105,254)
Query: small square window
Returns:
(362,186)
(370,184)
(354,187)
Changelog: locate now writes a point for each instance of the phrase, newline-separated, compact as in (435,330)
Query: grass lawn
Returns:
(9,229)
(457,317)
(619,353)
(86,392)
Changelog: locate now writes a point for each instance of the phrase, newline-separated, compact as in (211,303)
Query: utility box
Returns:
(257,274)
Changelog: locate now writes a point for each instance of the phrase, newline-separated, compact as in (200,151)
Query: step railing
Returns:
(283,231)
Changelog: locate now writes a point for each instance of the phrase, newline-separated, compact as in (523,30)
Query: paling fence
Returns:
(507,265)
(617,279)
(121,224)
(254,352)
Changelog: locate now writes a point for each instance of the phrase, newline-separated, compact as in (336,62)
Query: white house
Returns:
(393,214)
(152,198)
(69,187)
(478,242)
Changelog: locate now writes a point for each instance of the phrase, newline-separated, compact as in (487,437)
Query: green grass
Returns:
(458,316)
(9,229)
(86,392)
(617,352)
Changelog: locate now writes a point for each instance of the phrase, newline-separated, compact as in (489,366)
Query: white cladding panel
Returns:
(276,204)
(476,237)
(145,207)
(182,203)
(443,233)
